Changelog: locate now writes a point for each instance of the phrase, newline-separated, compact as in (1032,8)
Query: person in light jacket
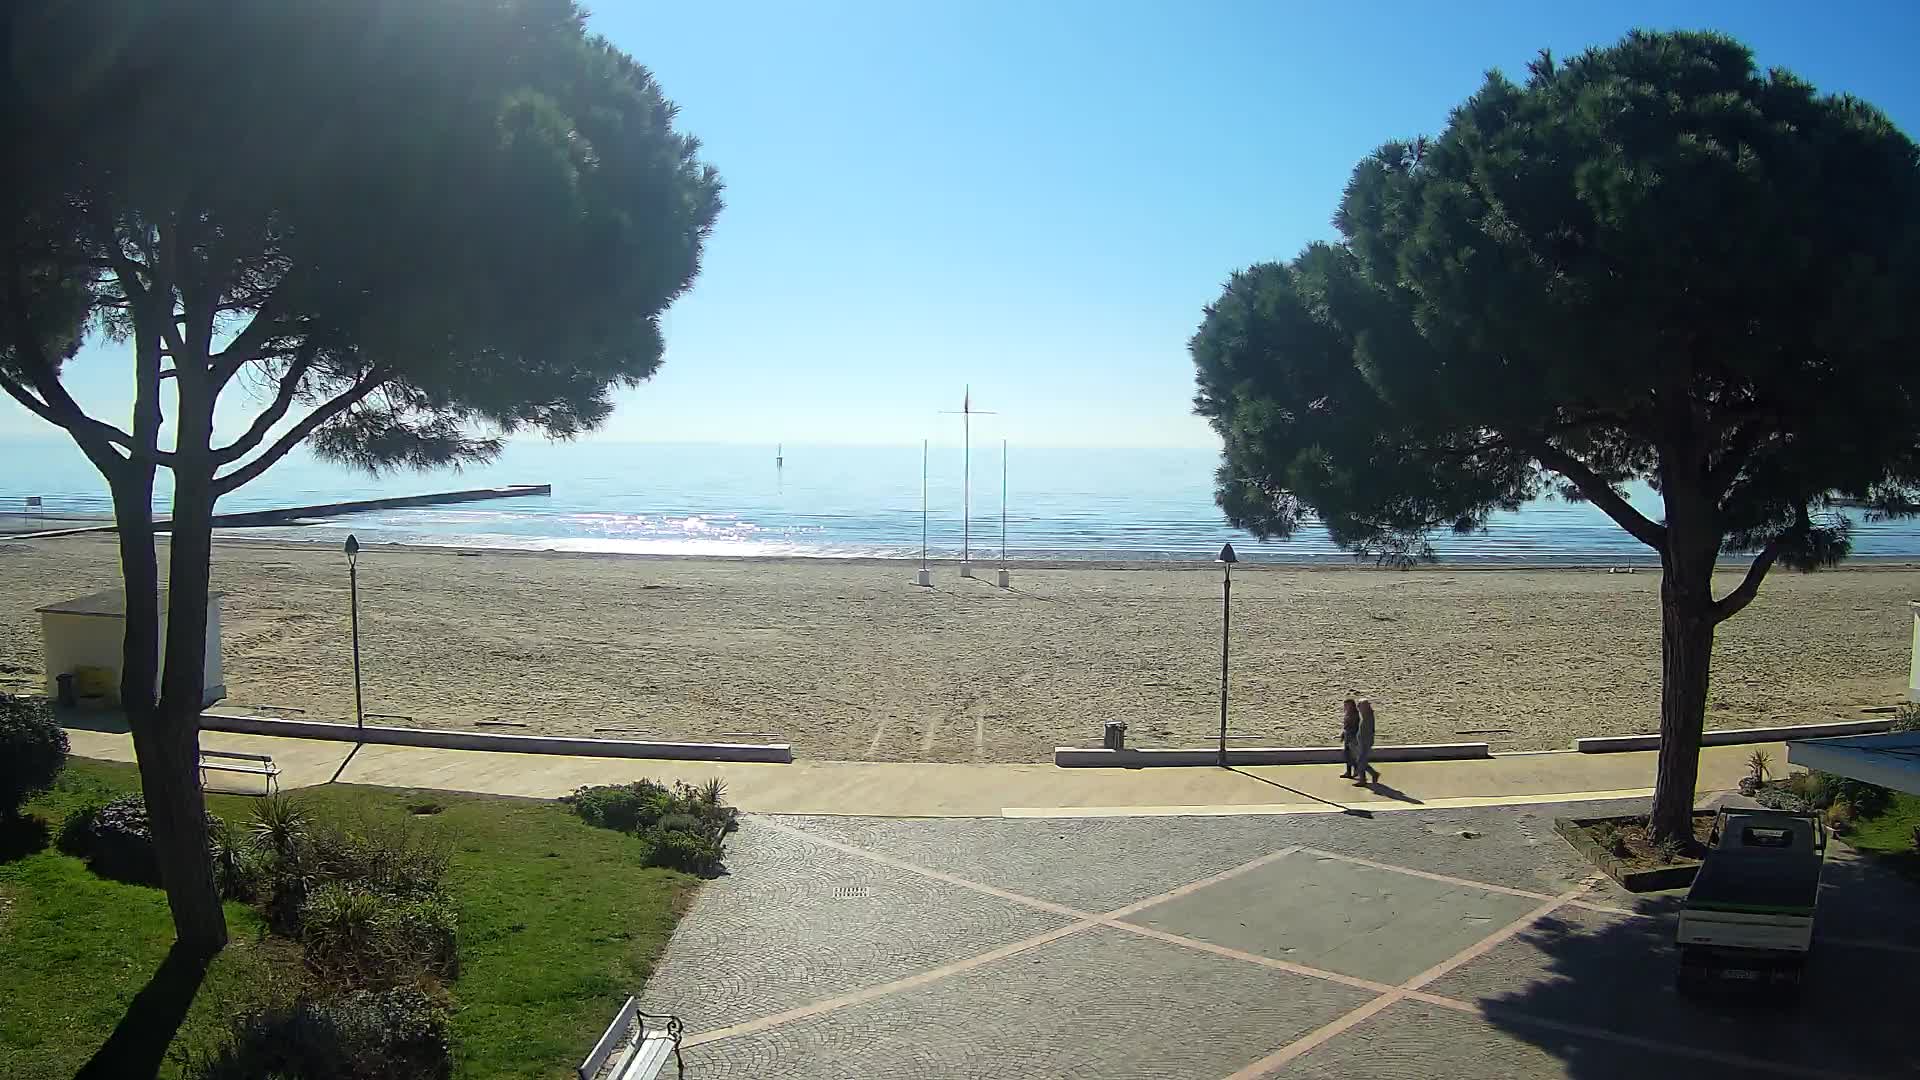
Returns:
(1350,739)
(1363,745)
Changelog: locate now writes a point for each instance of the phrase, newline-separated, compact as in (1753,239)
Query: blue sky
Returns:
(1037,198)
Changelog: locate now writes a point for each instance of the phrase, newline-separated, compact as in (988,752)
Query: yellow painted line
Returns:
(1233,809)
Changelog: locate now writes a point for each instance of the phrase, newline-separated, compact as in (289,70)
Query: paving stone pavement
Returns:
(1414,944)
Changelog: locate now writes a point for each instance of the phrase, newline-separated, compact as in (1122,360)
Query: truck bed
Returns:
(1762,886)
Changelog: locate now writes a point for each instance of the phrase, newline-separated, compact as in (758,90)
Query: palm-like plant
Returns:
(279,825)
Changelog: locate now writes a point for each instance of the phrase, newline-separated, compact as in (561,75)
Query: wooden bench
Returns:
(654,1038)
(252,764)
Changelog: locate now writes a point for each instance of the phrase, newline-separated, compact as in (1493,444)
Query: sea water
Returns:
(839,501)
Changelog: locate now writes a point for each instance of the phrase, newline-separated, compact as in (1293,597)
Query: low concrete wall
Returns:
(778,753)
(1073,757)
(1613,744)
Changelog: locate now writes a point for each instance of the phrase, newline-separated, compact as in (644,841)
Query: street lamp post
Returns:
(1227,559)
(353,603)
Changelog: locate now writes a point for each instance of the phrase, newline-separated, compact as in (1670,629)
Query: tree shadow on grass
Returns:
(139,1042)
(1597,991)
(22,836)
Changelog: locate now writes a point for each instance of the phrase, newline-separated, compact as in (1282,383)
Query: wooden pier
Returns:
(283,515)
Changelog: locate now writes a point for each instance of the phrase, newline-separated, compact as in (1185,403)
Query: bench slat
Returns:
(257,770)
(654,1049)
(235,754)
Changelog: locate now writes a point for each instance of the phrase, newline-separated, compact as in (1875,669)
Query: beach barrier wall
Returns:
(1073,757)
(1614,744)
(774,753)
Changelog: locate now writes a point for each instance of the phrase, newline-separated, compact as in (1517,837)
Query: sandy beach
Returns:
(849,660)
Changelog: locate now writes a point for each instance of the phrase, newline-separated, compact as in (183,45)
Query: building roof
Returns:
(1891,761)
(111,603)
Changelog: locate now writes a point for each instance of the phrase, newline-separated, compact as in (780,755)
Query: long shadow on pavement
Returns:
(1352,811)
(1617,975)
(139,1042)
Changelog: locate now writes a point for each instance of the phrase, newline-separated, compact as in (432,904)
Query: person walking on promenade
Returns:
(1363,745)
(1350,738)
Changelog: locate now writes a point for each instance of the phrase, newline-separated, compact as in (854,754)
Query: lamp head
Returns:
(1227,555)
(353,547)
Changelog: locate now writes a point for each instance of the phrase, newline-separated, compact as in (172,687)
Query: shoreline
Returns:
(1341,564)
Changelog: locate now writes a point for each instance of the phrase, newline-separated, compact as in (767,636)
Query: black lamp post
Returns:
(353,594)
(1227,558)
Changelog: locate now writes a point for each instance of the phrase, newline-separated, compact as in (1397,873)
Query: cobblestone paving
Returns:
(794,922)
(1101,1005)
(1357,920)
(1218,947)
(1413,1040)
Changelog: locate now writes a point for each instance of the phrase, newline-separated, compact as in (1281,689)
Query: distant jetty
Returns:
(281,516)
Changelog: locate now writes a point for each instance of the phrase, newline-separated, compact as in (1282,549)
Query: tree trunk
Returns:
(1686,658)
(186,868)
(167,751)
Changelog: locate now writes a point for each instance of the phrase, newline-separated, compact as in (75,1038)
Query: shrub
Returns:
(399,1034)
(622,807)
(1907,716)
(684,827)
(399,860)
(693,852)
(1611,839)
(356,938)
(1670,849)
(340,932)
(33,750)
(117,841)
(1775,798)
(1823,790)
(367,901)
(279,825)
(1864,799)
(1840,817)
(640,806)
(679,823)
(239,867)
(425,932)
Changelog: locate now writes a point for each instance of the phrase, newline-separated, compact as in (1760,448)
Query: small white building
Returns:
(89,632)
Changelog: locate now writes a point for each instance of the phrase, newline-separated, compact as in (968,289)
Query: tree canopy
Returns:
(1652,262)
(429,223)
(1649,248)
(399,229)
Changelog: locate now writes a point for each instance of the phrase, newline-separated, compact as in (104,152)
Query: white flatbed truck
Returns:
(1748,919)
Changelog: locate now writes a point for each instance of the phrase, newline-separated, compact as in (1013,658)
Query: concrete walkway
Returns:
(882,789)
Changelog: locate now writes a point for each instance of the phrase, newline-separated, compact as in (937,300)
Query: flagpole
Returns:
(966,484)
(925,577)
(966,481)
(1006,576)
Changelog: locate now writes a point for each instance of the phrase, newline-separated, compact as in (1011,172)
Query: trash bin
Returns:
(1116,738)
(65,695)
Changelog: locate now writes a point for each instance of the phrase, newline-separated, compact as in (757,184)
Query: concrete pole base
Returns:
(1006,579)
(966,569)
(923,577)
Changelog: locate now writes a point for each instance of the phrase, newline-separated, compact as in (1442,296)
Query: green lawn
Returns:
(1890,835)
(558,922)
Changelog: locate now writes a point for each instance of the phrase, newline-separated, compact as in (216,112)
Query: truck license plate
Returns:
(1738,974)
